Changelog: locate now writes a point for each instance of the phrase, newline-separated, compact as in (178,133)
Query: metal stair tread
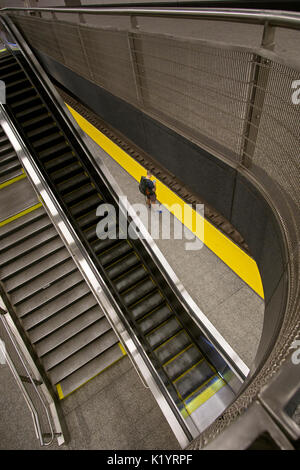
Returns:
(173,346)
(26,246)
(93,330)
(164,332)
(182,362)
(58,320)
(154,319)
(84,355)
(37,269)
(56,306)
(91,369)
(19,224)
(42,281)
(193,379)
(49,294)
(25,232)
(11,175)
(69,329)
(33,257)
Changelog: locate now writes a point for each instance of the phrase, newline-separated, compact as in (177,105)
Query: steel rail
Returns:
(274,18)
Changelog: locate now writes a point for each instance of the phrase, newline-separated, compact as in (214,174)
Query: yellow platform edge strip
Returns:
(225,249)
(20,214)
(13,180)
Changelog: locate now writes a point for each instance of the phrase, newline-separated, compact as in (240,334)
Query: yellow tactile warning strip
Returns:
(241,263)
(13,180)
(59,387)
(20,214)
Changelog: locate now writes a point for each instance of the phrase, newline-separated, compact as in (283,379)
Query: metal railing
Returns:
(28,379)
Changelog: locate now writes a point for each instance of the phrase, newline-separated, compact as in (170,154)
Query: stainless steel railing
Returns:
(36,395)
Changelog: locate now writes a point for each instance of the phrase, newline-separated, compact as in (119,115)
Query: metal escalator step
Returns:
(37,269)
(193,379)
(32,123)
(18,84)
(130,278)
(25,232)
(172,347)
(67,172)
(91,369)
(88,204)
(88,220)
(31,258)
(23,91)
(41,298)
(61,342)
(154,319)
(73,183)
(78,195)
(139,291)
(46,126)
(59,162)
(27,245)
(30,102)
(54,151)
(161,334)
(151,302)
(112,254)
(8,77)
(7,158)
(9,229)
(182,362)
(51,138)
(9,171)
(82,357)
(30,112)
(42,281)
(58,320)
(100,245)
(5,148)
(57,305)
(124,264)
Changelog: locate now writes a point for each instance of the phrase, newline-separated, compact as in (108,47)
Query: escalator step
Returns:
(161,334)
(193,379)
(111,255)
(182,362)
(72,184)
(146,305)
(124,264)
(139,291)
(172,347)
(88,204)
(79,194)
(154,319)
(130,278)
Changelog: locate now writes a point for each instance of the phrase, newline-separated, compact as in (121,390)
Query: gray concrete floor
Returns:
(111,412)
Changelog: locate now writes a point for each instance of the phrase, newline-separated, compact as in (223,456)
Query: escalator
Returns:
(174,344)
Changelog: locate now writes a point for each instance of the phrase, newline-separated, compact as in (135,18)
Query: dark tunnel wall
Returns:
(222,186)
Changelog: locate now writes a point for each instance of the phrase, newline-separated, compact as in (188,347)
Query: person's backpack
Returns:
(143,185)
